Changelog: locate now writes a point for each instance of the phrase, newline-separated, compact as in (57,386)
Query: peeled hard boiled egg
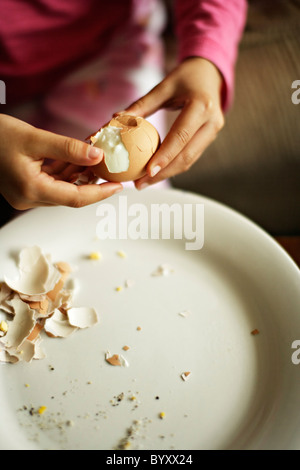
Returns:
(128,143)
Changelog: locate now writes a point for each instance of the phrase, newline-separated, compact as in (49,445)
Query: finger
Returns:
(67,194)
(151,102)
(44,144)
(181,133)
(34,205)
(185,159)
(69,172)
(54,167)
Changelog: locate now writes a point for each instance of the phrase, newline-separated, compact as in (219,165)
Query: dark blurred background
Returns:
(254,165)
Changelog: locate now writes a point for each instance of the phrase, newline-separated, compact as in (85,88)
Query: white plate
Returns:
(243,391)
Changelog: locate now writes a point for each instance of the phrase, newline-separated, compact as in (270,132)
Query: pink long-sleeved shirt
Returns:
(212,29)
(41,41)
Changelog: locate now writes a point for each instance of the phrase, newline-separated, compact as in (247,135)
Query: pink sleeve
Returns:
(212,29)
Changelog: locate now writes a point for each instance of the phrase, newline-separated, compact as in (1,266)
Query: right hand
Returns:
(27,182)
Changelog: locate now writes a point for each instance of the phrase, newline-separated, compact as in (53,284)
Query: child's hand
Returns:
(26,182)
(195,88)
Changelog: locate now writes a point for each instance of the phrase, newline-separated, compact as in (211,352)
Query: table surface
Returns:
(291,244)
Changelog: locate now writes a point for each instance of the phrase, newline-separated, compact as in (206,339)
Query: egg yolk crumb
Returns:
(95,255)
(4,326)
(42,410)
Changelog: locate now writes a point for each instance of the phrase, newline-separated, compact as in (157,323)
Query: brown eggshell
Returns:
(64,269)
(141,140)
(35,332)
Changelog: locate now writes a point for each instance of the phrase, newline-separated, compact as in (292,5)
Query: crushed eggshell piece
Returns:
(116,360)
(185,376)
(64,270)
(41,307)
(6,357)
(129,283)
(40,299)
(21,325)
(35,332)
(27,353)
(163,270)
(37,275)
(82,317)
(184,313)
(5,292)
(38,351)
(58,325)
(113,360)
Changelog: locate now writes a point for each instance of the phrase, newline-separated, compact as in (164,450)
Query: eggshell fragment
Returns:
(26,352)
(37,274)
(64,270)
(38,351)
(82,317)
(21,326)
(58,325)
(40,307)
(185,376)
(35,332)
(32,298)
(6,357)
(42,304)
(139,139)
(163,270)
(129,283)
(5,292)
(116,360)
(184,313)
(113,360)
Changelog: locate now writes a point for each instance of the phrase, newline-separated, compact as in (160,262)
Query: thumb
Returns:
(66,149)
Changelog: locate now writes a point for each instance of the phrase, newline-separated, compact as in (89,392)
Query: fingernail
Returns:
(155,170)
(114,188)
(143,186)
(95,153)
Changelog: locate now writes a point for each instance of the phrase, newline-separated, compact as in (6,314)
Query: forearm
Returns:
(212,29)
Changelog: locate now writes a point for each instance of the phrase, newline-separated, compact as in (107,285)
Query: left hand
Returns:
(195,88)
